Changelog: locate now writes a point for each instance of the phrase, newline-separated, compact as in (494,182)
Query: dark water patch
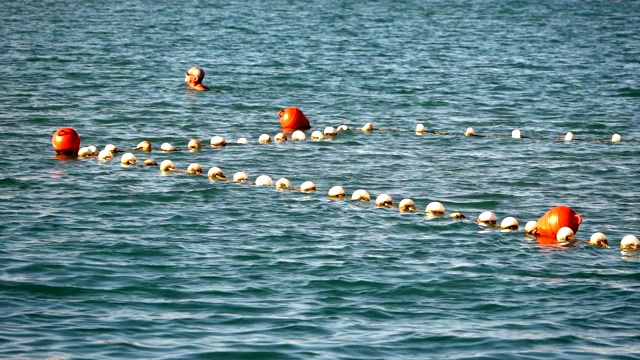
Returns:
(628,92)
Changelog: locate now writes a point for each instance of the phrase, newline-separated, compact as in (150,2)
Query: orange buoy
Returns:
(557,218)
(66,141)
(292,119)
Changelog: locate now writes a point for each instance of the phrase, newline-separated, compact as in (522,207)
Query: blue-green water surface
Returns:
(100,261)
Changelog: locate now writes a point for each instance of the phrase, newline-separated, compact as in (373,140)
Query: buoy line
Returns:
(329,133)
(563,235)
(548,226)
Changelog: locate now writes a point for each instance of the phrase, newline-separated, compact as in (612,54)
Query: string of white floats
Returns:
(434,209)
(328,133)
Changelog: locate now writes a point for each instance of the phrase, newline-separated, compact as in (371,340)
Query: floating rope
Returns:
(564,236)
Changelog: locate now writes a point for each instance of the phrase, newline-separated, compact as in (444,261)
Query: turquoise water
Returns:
(100,261)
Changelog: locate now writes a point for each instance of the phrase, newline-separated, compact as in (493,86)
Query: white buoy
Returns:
(457,215)
(144,146)
(565,234)
(509,223)
(264,180)
(599,239)
(167,147)
(361,195)
(242,141)
(264,139)
(280,137)
(336,192)
(194,168)
(342,128)
(112,148)
(94,150)
(216,173)
(616,138)
(330,131)
(531,227)
(569,136)
(469,132)
(384,200)
(367,127)
(167,165)
(218,141)
(105,155)
(420,128)
(630,242)
(194,144)
(317,135)
(283,183)
(298,135)
(407,205)
(435,208)
(149,162)
(487,217)
(516,134)
(308,186)
(85,152)
(240,177)
(128,159)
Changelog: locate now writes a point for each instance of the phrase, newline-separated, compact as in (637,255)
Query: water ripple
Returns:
(103,261)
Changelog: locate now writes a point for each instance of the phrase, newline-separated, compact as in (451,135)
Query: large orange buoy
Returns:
(557,218)
(66,141)
(293,119)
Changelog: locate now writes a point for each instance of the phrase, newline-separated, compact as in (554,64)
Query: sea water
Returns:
(100,261)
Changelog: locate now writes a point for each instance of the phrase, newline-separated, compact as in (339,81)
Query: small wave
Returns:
(628,92)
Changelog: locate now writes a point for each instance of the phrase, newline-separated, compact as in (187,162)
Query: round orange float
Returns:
(292,119)
(66,141)
(557,218)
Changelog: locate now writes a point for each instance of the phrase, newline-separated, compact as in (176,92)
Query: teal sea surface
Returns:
(103,261)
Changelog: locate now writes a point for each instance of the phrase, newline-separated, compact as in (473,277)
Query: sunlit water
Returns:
(100,261)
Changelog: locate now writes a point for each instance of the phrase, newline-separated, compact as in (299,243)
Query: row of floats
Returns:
(559,225)
(556,227)
(298,135)
(67,140)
